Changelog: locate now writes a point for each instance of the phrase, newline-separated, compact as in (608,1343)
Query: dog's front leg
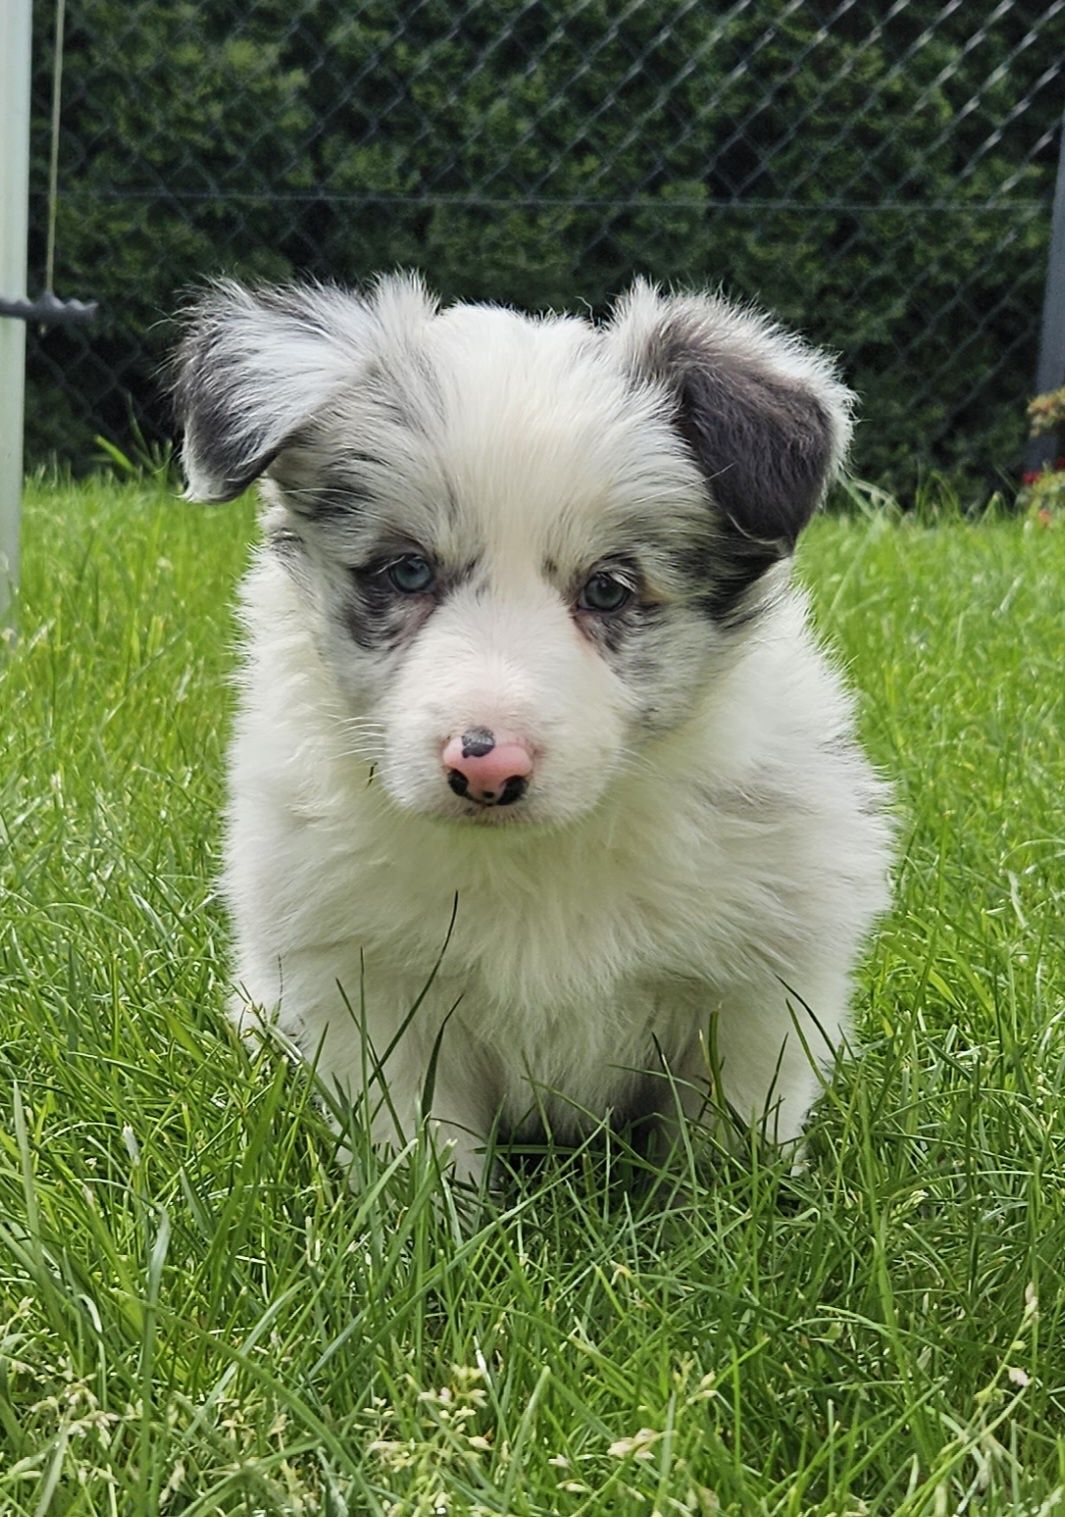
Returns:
(766,1049)
(384,1068)
(760,1053)
(404,1075)
(400,1105)
(392,1106)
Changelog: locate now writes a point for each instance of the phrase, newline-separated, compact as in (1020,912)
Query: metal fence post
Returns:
(1051,372)
(15,45)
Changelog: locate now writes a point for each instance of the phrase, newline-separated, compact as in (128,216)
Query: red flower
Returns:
(1030,476)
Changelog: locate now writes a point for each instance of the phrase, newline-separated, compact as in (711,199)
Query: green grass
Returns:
(197,1315)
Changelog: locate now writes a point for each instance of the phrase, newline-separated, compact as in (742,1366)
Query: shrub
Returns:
(849,175)
(1042,493)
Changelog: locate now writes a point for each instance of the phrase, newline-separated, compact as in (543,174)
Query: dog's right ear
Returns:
(254,367)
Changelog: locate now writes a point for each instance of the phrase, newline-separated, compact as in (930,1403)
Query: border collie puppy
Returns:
(525,675)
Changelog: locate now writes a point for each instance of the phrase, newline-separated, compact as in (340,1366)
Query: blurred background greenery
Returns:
(880,176)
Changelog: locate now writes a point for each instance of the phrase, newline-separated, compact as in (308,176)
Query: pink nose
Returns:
(491,768)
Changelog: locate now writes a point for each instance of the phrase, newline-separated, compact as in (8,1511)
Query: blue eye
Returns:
(412,574)
(603,593)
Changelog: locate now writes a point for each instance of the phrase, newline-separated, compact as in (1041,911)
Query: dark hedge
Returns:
(882,181)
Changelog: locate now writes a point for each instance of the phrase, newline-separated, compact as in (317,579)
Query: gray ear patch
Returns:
(233,430)
(253,368)
(764,445)
(764,415)
(256,368)
(220,463)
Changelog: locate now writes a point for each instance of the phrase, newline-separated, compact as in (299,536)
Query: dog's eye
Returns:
(412,574)
(603,593)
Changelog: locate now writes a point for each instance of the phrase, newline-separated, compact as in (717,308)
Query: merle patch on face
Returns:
(625,628)
(722,573)
(336,493)
(379,616)
(288,545)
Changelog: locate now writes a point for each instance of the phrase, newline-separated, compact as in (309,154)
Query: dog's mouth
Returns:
(455,809)
(487,814)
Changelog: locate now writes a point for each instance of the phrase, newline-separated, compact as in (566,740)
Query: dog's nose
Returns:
(488,767)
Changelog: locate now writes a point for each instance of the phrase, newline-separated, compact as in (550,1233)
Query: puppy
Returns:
(544,803)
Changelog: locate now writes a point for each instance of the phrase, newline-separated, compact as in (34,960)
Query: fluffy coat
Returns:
(680,895)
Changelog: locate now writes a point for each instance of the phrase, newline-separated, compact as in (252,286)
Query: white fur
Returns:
(700,873)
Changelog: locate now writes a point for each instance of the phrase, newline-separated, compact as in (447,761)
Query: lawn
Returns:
(198,1316)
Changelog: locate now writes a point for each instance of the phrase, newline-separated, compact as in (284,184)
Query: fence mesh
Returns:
(879,175)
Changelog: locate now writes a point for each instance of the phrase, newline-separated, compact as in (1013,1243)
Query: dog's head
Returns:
(524,545)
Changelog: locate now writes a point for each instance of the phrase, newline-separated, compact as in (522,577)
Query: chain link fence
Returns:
(880,175)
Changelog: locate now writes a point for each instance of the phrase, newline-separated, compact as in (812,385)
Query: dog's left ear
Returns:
(765,415)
